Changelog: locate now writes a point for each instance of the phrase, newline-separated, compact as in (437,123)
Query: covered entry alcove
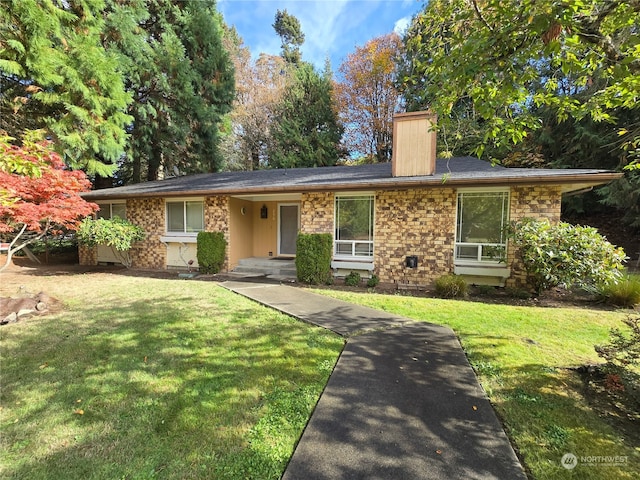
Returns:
(263,226)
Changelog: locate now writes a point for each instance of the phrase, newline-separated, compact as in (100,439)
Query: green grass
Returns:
(139,378)
(521,355)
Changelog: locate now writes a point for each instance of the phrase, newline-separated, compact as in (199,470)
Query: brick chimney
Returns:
(414,144)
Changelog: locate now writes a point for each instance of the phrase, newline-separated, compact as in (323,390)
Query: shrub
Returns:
(352,280)
(451,286)
(313,257)
(623,350)
(518,293)
(485,289)
(117,233)
(55,244)
(566,254)
(373,281)
(624,293)
(211,248)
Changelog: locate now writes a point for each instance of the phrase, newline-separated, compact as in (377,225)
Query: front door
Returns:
(288,225)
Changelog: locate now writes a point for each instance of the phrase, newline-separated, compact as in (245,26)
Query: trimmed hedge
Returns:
(211,248)
(313,257)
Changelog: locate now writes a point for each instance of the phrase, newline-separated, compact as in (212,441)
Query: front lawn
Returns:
(139,378)
(522,356)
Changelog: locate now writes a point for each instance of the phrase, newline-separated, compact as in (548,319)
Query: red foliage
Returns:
(47,198)
(613,383)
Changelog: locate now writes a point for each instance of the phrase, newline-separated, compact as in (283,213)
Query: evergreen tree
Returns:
(55,74)
(307,132)
(288,29)
(181,79)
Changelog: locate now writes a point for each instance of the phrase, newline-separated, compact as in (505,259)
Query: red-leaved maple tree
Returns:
(38,194)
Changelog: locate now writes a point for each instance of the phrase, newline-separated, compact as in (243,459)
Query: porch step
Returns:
(267,266)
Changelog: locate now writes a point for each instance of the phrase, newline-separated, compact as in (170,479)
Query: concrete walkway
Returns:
(402,402)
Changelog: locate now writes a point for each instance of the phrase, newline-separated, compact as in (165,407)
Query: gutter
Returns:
(578,192)
(591,180)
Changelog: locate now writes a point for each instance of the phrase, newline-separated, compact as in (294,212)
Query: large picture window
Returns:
(185,217)
(354,226)
(480,230)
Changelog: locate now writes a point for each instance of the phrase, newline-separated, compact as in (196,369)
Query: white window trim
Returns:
(355,258)
(111,203)
(181,236)
(479,262)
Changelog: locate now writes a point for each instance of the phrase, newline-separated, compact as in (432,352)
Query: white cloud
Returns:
(400,27)
(332,28)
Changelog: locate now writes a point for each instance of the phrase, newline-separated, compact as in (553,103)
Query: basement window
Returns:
(482,217)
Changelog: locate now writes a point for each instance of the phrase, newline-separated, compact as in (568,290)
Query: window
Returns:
(354,226)
(185,217)
(110,210)
(480,227)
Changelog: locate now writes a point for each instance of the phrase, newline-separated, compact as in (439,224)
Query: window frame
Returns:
(481,246)
(185,232)
(369,244)
(111,204)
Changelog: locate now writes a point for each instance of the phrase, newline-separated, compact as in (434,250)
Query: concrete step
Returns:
(267,266)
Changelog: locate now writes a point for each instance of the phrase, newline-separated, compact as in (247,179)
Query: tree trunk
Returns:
(155,160)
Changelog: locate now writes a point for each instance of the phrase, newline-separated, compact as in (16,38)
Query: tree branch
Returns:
(480,16)
(589,31)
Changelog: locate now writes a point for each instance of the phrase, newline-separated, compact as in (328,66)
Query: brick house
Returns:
(408,221)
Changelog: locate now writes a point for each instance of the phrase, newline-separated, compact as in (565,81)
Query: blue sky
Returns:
(332,28)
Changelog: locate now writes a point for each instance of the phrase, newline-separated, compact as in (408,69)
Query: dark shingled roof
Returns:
(461,171)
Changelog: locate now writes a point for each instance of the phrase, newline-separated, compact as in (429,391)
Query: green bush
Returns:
(313,257)
(352,280)
(485,289)
(623,293)
(451,286)
(117,233)
(623,350)
(211,248)
(373,281)
(518,293)
(55,245)
(565,254)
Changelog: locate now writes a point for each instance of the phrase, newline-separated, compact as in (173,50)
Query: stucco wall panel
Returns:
(265,230)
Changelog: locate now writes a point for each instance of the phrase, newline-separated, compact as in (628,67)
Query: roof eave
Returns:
(571,182)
